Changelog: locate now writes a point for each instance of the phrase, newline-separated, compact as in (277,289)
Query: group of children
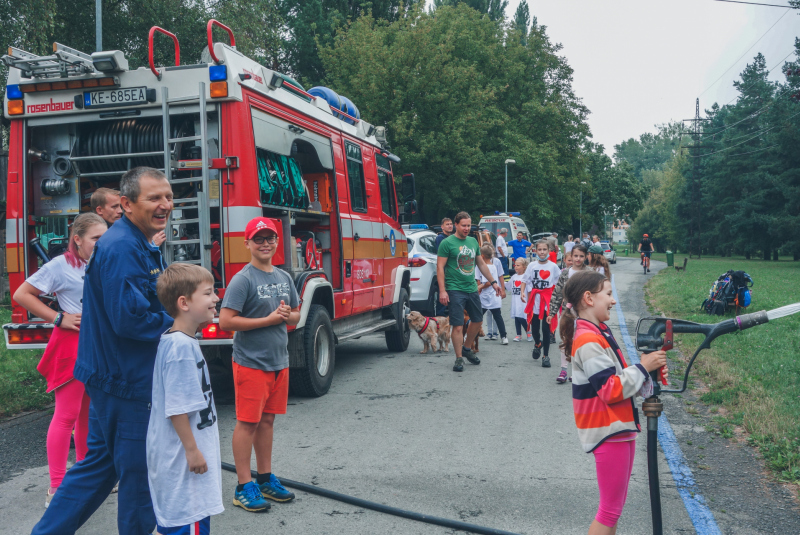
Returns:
(183,452)
(536,290)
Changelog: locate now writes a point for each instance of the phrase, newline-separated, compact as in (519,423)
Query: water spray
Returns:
(656,333)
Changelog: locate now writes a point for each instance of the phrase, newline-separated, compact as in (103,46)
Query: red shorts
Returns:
(554,257)
(259,392)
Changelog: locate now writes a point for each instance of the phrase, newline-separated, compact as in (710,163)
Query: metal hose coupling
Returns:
(652,407)
(745,321)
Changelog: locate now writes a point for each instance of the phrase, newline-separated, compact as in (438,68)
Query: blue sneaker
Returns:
(250,499)
(273,490)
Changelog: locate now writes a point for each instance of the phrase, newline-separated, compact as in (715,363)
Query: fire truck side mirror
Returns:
(409,193)
(409,188)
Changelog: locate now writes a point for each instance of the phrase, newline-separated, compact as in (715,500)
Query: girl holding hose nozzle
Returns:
(603,388)
(63,276)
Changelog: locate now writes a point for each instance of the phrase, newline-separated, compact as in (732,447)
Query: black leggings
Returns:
(545,336)
(522,325)
(498,320)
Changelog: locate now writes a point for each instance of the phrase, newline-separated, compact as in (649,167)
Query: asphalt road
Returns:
(495,445)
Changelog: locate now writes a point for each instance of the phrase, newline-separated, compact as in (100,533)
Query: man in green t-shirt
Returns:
(455,271)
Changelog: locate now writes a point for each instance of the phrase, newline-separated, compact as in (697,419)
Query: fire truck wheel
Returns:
(397,339)
(314,379)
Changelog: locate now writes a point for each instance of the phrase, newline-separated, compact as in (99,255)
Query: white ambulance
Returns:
(510,221)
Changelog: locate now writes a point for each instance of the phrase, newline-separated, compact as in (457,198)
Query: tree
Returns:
(494,8)
(311,24)
(522,17)
(613,190)
(459,98)
(650,151)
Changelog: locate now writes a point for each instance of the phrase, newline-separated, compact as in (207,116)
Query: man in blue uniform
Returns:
(120,329)
(519,247)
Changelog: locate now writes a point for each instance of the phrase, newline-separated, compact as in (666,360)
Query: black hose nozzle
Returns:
(745,321)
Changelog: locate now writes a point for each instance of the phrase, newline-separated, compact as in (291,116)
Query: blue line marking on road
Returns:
(699,513)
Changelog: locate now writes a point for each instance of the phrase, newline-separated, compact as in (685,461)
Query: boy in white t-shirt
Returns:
(490,301)
(183,460)
(541,277)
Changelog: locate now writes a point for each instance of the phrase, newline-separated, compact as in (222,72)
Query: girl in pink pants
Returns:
(63,276)
(603,388)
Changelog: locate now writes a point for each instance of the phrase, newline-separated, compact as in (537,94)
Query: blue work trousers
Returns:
(117,452)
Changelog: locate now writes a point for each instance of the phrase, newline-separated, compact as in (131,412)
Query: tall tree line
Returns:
(739,192)
(460,87)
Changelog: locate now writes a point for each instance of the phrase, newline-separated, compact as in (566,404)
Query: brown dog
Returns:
(480,334)
(433,331)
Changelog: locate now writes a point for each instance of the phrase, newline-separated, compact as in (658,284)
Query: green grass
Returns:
(22,388)
(752,376)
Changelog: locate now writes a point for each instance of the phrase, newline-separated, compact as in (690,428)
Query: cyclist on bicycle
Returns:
(646,248)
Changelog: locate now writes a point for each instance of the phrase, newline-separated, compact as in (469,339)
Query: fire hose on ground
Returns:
(381,508)
(658,335)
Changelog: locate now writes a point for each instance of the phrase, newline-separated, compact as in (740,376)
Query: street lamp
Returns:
(508,162)
(580,225)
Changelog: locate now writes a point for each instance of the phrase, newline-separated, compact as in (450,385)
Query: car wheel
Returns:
(433,298)
(397,339)
(319,354)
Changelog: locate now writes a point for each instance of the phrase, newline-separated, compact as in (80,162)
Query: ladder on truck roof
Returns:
(199,200)
(64,62)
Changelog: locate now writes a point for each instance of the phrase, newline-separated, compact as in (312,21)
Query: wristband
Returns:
(493,283)
(58,320)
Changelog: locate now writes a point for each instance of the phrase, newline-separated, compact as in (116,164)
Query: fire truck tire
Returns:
(397,339)
(319,353)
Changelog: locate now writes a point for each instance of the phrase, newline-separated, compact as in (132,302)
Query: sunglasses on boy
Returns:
(269,239)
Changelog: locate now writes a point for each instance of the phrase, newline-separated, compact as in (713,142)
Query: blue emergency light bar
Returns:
(417,226)
(13,92)
(217,73)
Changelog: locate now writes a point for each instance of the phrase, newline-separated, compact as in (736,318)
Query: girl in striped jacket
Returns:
(603,388)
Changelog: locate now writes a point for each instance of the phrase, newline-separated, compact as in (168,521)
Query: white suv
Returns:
(422,259)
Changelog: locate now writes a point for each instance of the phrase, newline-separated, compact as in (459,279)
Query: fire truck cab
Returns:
(236,140)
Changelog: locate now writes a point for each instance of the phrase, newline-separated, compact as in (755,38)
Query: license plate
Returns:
(115,97)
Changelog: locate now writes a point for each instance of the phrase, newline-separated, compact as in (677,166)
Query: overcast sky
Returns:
(642,62)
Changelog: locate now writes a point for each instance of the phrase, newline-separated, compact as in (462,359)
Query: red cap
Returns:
(256,225)
(646,236)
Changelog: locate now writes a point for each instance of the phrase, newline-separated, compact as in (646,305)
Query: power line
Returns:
(743,142)
(754,4)
(752,151)
(743,55)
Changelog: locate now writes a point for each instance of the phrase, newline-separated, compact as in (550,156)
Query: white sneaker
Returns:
(516,338)
(48,498)
(504,341)
(530,338)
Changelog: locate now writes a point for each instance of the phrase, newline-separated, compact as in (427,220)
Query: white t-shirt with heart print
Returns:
(540,276)
(514,288)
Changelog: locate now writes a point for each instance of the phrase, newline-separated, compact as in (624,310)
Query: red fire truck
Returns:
(236,140)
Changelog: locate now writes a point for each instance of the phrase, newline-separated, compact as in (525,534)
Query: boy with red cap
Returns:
(259,303)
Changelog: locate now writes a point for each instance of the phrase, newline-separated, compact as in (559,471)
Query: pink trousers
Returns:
(614,461)
(72,412)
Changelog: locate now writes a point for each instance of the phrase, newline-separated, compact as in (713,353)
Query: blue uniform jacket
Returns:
(122,319)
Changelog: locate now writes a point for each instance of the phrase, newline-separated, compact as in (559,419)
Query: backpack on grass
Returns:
(731,289)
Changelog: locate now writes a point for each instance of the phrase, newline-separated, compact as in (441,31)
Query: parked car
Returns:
(422,261)
(609,252)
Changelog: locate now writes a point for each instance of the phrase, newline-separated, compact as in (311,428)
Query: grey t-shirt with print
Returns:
(256,294)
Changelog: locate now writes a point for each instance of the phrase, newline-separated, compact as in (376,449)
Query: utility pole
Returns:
(695,187)
(98,25)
